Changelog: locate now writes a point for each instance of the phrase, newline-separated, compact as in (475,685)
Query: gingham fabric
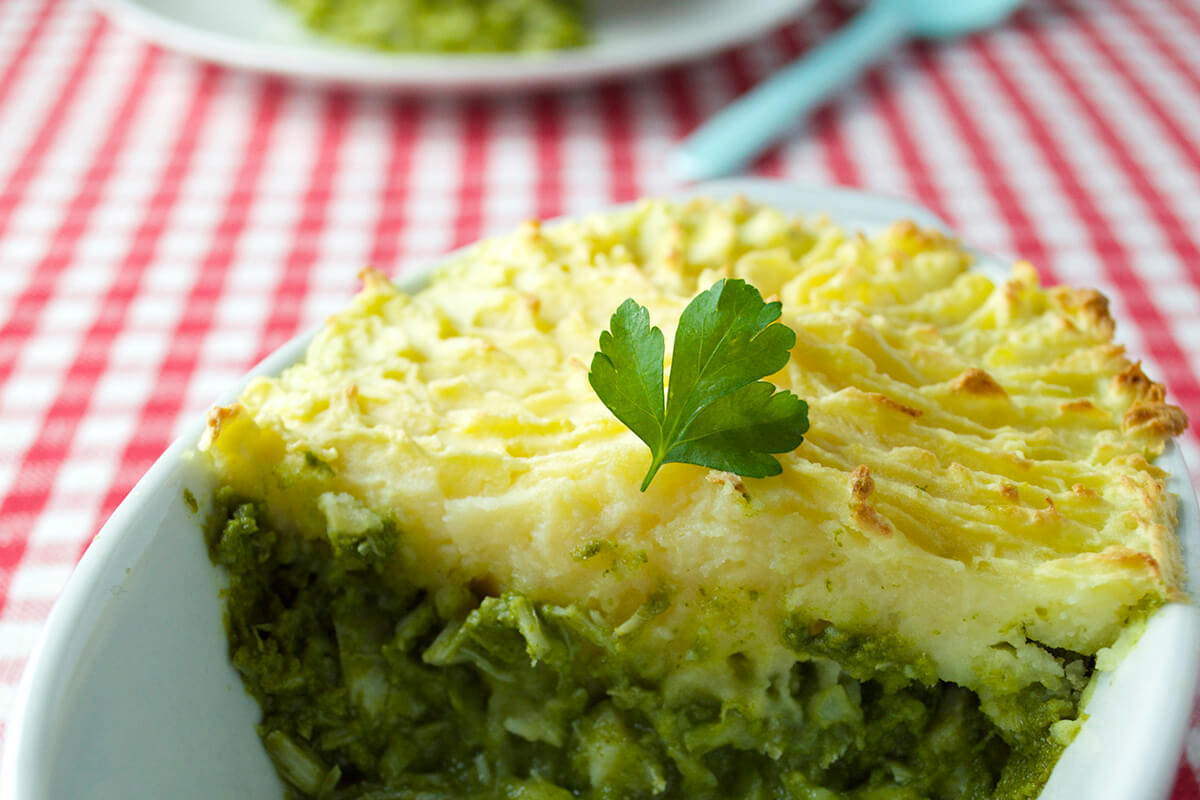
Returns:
(164,224)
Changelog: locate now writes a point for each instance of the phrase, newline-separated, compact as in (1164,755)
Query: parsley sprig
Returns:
(718,413)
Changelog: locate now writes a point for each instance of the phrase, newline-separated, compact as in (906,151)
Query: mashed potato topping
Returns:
(975,490)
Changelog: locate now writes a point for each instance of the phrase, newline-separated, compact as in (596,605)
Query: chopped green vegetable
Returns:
(295,764)
(449,26)
(375,689)
(718,413)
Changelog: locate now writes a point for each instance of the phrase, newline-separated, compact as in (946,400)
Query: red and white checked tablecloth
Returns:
(163,224)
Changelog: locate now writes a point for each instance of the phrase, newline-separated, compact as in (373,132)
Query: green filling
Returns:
(449,26)
(373,692)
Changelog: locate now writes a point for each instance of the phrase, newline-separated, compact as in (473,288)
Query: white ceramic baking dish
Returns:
(129,693)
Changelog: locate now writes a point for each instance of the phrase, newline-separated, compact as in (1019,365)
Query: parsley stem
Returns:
(654,466)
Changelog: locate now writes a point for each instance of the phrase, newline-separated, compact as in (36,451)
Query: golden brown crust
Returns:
(862,513)
(977,382)
(1048,514)
(372,278)
(218,416)
(888,402)
(1132,382)
(1126,558)
(1012,292)
(1089,304)
(1083,406)
(861,484)
(1155,418)
(915,236)
(1148,413)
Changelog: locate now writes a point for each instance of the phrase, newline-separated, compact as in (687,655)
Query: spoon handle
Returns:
(742,129)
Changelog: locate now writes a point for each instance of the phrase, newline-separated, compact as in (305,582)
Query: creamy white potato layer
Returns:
(975,486)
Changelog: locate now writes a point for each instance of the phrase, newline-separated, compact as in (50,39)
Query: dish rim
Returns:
(118,546)
(344,65)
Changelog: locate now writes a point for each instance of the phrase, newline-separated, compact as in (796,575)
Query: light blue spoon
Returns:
(739,132)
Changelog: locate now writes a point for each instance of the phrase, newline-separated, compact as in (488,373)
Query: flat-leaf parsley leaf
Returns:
(718,413)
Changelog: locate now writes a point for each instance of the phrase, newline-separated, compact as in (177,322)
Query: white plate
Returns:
(129,694)
(628,35)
